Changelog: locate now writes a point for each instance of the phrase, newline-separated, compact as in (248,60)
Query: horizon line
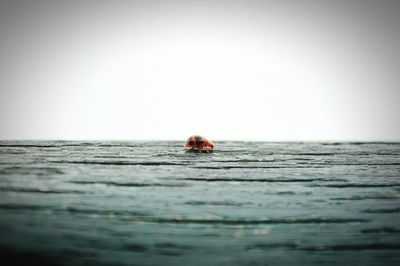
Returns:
(219,140)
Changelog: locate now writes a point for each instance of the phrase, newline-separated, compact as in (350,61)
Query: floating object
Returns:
(199,144)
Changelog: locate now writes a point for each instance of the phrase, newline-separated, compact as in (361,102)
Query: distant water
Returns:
(249,203)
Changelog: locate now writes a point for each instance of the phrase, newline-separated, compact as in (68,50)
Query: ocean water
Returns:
(248,203)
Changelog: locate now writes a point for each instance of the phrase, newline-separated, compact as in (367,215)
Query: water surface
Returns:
(248,203)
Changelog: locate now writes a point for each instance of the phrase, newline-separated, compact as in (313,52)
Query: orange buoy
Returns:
(198,144)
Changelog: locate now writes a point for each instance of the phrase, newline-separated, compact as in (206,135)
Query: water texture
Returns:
(248,203)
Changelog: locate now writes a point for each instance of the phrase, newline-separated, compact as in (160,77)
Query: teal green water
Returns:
(248,203)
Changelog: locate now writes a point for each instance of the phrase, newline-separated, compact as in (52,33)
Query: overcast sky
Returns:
(237,70)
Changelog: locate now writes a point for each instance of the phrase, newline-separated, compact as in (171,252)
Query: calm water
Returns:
(249,203)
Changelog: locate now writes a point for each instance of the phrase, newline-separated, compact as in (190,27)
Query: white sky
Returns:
(237,70)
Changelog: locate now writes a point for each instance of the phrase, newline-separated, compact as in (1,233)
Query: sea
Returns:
(248,203)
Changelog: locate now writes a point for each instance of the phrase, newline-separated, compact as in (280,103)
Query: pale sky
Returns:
(227,70)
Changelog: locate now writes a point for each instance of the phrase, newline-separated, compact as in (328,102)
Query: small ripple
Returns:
(285,193)
(30,171)
(11,206)
(255,167)
(395,210)
(349,247)
(169,253)
(263,246)
(355,185)
(111,157)
(32,145)
(354,247)
(119,163)
(372,142)
(295,180)
(215,203)
(388,230)
(246,161)
(313,154)
(43,190)
(104,212)
(380,197)
(257,222)
(74,210)
(360,164)
(169,245)
(12,152)
(110,183)
(135,247)
(60,145)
